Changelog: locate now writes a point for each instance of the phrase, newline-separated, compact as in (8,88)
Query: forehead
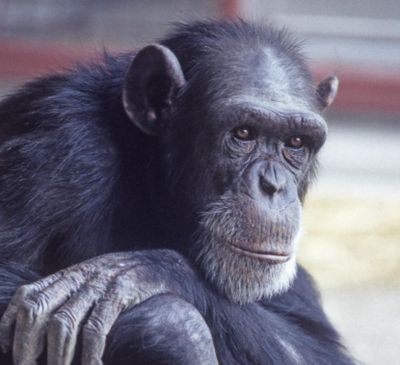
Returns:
(259,77)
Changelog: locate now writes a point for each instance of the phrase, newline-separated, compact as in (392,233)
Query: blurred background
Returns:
(352,216)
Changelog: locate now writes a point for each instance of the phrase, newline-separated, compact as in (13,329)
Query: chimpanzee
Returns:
(150,206)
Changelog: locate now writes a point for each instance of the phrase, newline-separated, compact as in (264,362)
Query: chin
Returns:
(243,279)
(226,252)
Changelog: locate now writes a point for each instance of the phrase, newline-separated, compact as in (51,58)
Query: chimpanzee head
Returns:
(236,112)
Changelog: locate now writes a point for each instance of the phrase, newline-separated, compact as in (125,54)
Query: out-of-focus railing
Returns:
(371,88)
(364,52)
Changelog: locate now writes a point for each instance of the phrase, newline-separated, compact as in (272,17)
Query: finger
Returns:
(96,329)
(65,324)
(10,314)
(33,316)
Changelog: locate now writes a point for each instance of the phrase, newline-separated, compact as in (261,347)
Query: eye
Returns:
(243,133)
(295,142)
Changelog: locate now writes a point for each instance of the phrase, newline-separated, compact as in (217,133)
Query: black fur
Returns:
(78,179)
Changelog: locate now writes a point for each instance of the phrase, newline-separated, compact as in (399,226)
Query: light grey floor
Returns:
(362,158)
(368,318)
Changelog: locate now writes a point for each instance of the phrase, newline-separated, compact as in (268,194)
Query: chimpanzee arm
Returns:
(164,329)
(100,289)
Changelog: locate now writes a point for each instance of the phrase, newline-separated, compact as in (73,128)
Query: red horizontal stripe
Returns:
(365,88)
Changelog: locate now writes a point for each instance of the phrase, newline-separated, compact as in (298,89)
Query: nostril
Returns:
(270,187)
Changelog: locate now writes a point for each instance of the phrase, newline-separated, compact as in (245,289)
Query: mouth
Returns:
(271,257)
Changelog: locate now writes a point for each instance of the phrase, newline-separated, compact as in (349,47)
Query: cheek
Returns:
(259,226)
(296,159)
(223,179)
(240,221)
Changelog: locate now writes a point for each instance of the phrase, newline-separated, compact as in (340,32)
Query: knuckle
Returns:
(27,307)
(29,304)
(120,282)
(33,307)
(23,291)
(93,325)
(26,313)
(64,319)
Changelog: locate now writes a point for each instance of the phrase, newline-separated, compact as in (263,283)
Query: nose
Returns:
(271,180)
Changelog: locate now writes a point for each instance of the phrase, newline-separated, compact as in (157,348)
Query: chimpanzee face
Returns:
(239,152)
(244,171)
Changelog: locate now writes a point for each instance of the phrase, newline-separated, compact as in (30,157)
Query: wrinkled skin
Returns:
(91,294)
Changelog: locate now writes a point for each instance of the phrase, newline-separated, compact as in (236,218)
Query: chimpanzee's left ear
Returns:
(150,85)
(326,91)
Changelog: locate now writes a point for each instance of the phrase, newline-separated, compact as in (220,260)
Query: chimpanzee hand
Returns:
(93,294)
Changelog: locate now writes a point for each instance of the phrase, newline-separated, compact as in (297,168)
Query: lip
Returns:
(270,257)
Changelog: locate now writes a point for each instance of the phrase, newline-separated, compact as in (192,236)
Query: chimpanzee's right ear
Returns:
(152,82)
